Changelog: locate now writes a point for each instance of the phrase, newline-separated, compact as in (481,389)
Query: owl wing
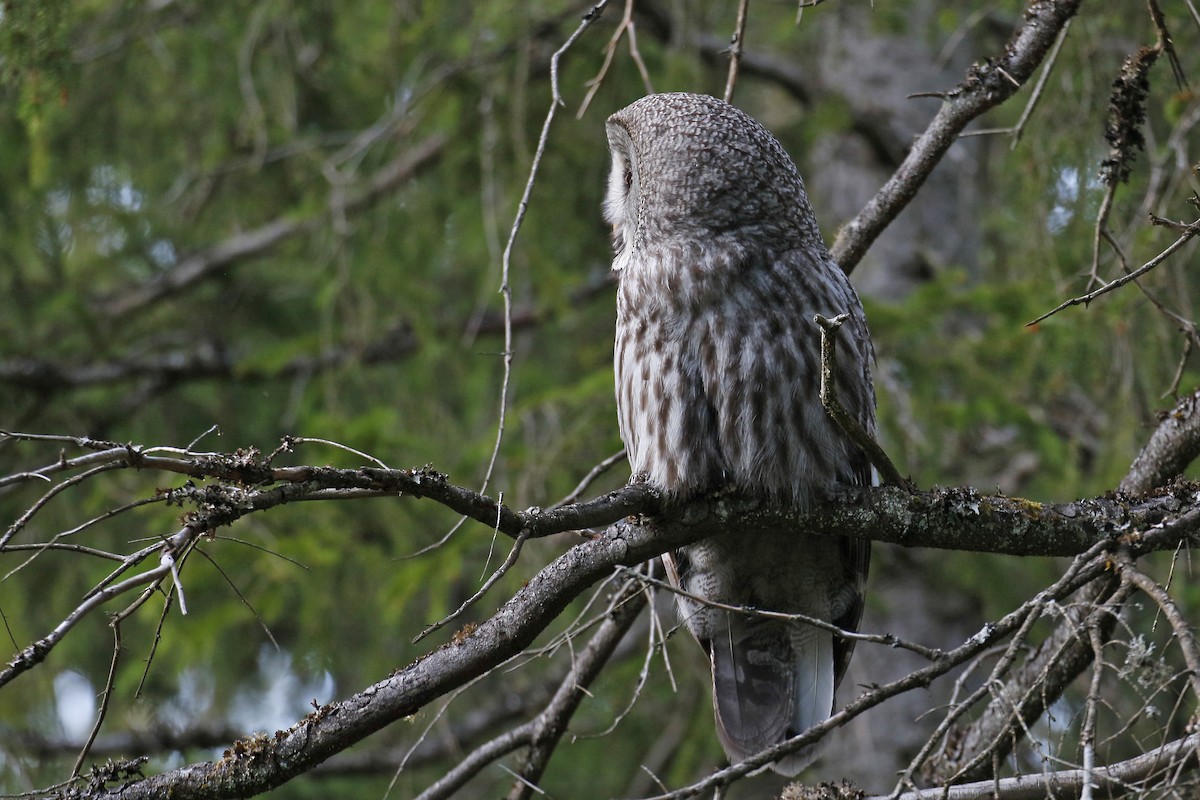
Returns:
(858,355)
(760,369)
(667,424)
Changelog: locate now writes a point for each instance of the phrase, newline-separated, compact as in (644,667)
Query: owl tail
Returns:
(771,680)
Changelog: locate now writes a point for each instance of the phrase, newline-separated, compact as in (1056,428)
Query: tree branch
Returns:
(264,762)
(1115,780)
(986,86)
(1174,445)
(1066,652)
(549,727)
(241,483)
(253,243)
(1084,569)
(1033,687)
(943,518)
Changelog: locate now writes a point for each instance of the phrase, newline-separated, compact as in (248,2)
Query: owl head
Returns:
(689,168)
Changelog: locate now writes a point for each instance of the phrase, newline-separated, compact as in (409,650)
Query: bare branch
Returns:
(988,84)
(1032,688)
(1084,569)
(850,426)
(550,726)
(505,290)
(1115,780)
(250,244)
(35,653)
(595,472)
(1189,231)
(625,26)
(954,518)
(737,44)
(265,762)
(1174,445)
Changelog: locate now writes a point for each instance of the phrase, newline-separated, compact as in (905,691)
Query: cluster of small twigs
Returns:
(221,488)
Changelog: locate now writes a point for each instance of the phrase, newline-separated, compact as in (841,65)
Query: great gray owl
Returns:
(721,269)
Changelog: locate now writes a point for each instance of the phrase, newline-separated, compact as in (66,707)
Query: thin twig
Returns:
(44,500)
(168,600)
(1114,780)
(1164,43)
(262,623)
(1100,233)
(595,472)
(1033,687)
(1087,736)
(425,733)
(736,45)
(551,724)
(505,291)
(640,683)
(850,426)
(105,697)
(488,584)
(1038,88)
(625,26)
(1189,231)
(339,446)
(930,653)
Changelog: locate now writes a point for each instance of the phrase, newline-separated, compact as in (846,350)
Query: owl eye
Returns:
(628,177)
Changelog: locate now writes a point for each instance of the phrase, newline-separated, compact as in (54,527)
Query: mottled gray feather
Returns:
(721,268)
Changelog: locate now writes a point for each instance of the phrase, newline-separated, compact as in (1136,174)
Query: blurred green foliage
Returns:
(139,134)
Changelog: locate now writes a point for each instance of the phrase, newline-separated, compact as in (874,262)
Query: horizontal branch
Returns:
(207,360)
(256,242)
(1112,781)
(945,518)
(225,487)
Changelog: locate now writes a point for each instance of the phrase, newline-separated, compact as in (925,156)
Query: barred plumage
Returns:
(721,268)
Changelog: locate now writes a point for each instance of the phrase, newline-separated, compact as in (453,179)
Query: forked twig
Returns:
(505,290)
(1189,231)
(595,472)
(625,26)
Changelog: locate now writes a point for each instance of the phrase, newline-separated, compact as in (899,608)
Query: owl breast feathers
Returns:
(721,268)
